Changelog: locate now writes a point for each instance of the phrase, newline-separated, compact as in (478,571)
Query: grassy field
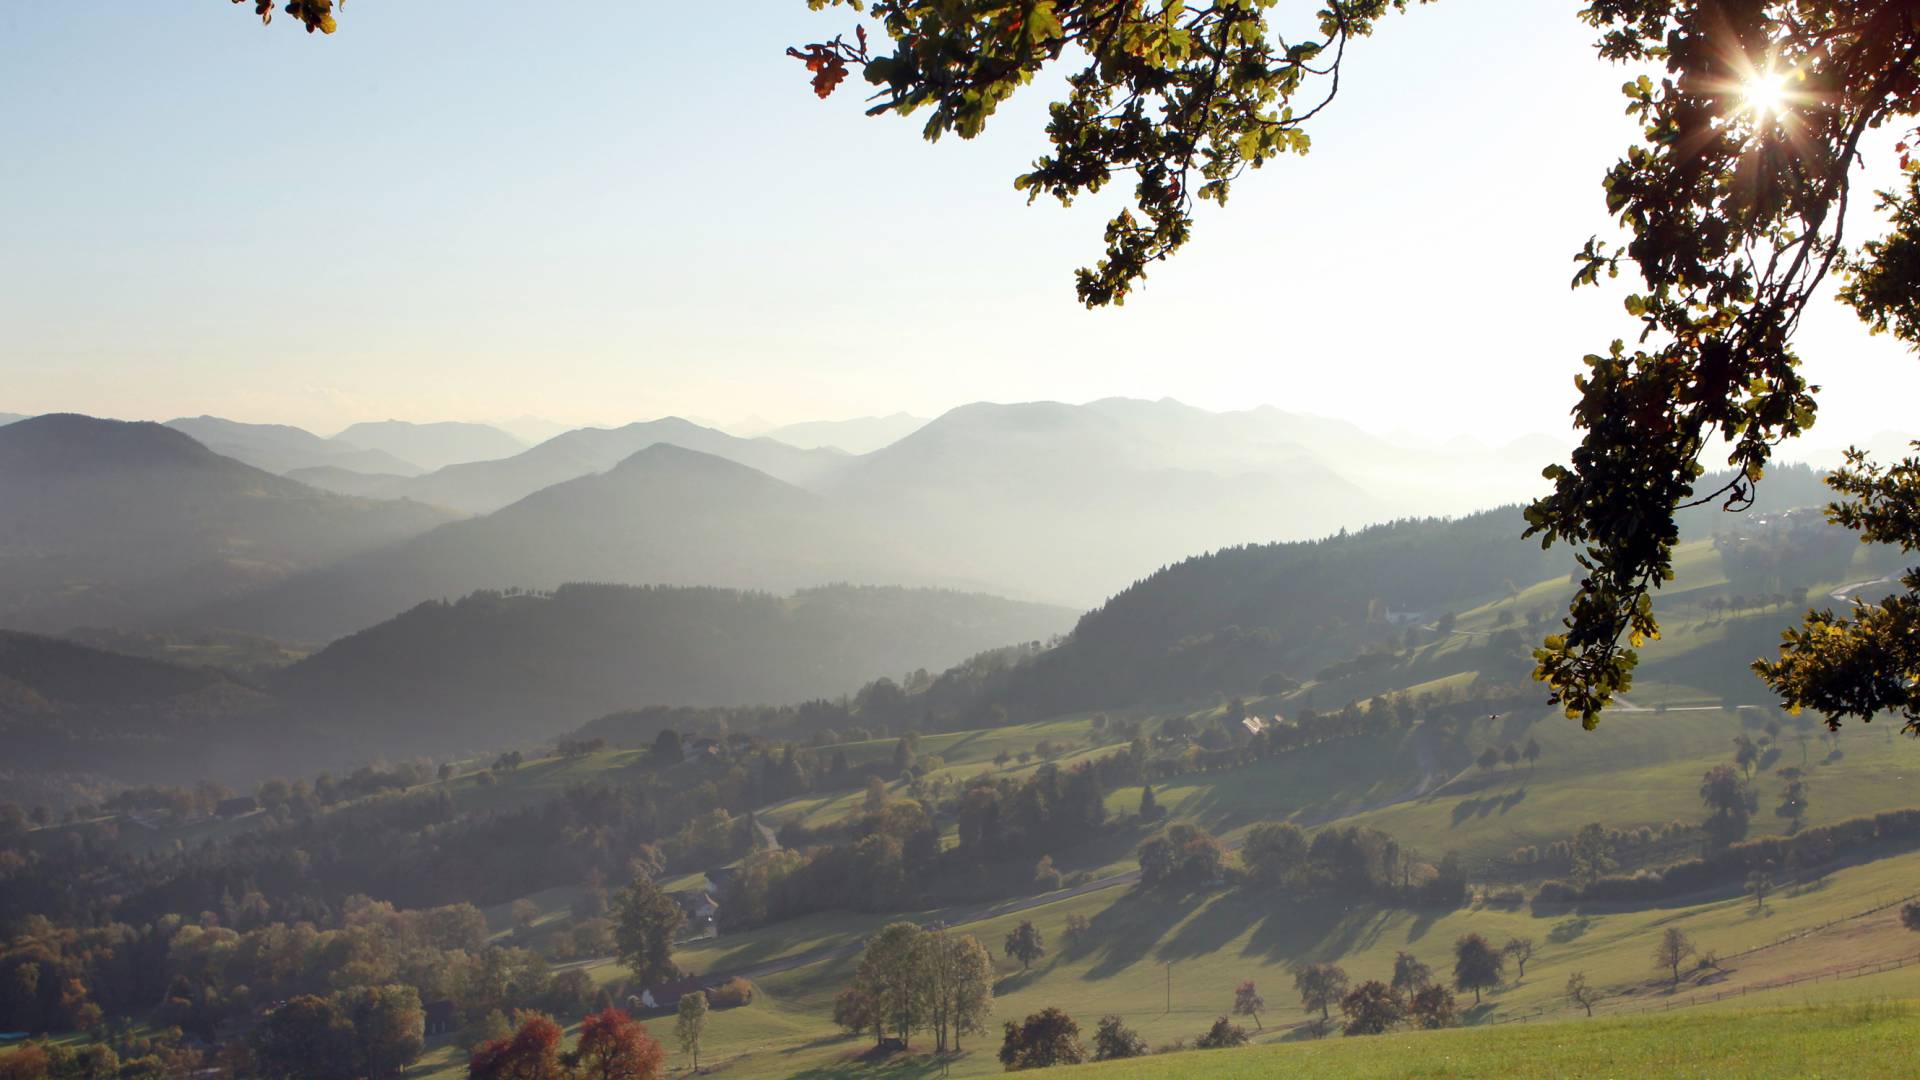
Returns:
(1852,1041)
(1201,946)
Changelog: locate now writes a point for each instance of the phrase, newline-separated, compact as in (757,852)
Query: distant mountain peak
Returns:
(67,441)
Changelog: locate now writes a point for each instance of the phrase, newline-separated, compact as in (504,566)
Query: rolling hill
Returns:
(496,667)
(106,522)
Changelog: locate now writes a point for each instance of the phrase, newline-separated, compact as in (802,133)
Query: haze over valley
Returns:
(915,539)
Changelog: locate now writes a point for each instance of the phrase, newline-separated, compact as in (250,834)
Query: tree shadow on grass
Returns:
(883,1064)
(1128,929)
(1468,809)
(1569,929)
(1316,929)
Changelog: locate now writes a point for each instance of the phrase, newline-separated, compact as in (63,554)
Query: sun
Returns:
(1764,93)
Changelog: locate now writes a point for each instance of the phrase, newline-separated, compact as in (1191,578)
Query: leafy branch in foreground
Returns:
(313,14)
(1869,662)
(1184,96)
(1736,199)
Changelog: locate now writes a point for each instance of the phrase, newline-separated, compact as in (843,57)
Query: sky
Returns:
(605,213)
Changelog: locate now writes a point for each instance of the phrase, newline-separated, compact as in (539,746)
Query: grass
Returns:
(1212,941)
(1856,1041)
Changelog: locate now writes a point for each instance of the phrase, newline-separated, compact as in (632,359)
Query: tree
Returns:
(1672,951)
(1433,1007)
(1114,1040)
(1722,791)
(1910,916)
(1078,927)
(1510,755)
(1372,1008)
(1745,753)
(1321,986)
(856,1012)
(1410,976)
(1580,993)
(1149,807)
(1045,1039)
(1532,753)
(614,1046)
(1025,944)
(531,1053)
(1760,883)
(1793,802)
(1477,965)
(305,1039)
(1592,854)
(1521,949)
(956,975)
(1865,664)
(1248,1002)
(645,921)
(523,912)
(1489,759)
(1045,877)
(891,974)
(1274,852)
(389,1028)
(689,1022)
(1223,1035)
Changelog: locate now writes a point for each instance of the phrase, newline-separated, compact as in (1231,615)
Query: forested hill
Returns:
(65,706)
(111,523)
(1229,619)
(498,666)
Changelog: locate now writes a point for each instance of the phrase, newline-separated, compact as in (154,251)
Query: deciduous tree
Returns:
(1477,965)
(645,921)
(1672,951)
(690,1023)
(1580,993)
(1248,1002)
(1113,1040)
(614,1046)
(1044,1039)
(1321,987)
(1025,944)
(1372,1008)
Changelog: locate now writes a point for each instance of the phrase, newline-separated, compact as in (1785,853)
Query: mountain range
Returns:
(432,446)
(114,523)
(278,448)
(481,487)
(860,435)
(664,515)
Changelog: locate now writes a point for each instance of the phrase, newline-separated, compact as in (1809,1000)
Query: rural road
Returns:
(1840,594)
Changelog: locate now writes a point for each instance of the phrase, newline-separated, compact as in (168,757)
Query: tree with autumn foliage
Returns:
(531,1053)
(614,1046)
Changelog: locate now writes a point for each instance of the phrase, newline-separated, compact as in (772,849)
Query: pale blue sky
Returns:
(619,211)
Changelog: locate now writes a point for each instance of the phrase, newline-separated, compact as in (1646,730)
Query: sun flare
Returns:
(1764,93)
